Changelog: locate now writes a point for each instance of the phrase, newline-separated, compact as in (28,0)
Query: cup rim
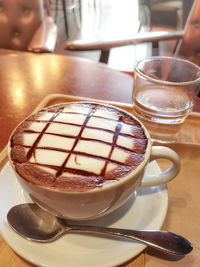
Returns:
(166,82)
(104,187)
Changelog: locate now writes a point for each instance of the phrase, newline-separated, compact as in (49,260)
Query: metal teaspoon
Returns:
(36,224)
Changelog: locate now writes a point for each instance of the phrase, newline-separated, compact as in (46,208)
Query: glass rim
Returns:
(162,81)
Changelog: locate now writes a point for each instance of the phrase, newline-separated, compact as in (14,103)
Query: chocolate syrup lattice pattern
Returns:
(89,141)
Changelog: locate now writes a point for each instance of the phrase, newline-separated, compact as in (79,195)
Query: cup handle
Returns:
(159,152)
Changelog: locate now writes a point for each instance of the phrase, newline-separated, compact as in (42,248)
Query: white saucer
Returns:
(146,211)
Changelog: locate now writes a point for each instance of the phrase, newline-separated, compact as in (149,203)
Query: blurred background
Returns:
(117,19)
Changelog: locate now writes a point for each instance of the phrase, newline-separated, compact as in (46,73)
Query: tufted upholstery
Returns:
(20,20)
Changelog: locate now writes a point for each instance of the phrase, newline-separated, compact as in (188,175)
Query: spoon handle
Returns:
(162,240)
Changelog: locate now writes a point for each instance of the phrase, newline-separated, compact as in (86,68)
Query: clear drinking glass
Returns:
(165,89)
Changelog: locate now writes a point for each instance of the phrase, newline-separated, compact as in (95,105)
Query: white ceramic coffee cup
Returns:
(102,200)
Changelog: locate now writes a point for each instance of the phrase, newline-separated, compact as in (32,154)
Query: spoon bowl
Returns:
(36,224)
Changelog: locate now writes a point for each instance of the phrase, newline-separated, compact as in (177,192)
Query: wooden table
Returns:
(25,79)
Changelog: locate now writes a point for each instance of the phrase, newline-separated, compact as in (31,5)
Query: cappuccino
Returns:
(77,146)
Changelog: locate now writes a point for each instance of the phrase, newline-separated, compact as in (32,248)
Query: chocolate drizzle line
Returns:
(85,139)
(32,149)
(89,127)
(66,169)
(83,114)
(59,172)
(115,136)
(79,153)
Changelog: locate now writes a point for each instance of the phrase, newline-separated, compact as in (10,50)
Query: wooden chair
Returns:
(27,25)
(166,13)
(187,40)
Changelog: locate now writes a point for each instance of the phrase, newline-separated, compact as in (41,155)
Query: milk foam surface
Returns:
(70,141)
